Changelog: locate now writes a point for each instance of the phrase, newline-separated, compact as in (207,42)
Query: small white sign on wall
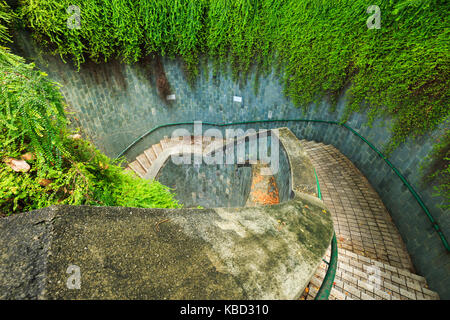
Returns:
(269,115)
(171,97)
(237,99)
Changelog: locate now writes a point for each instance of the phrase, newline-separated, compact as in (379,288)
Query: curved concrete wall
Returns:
(197,183)
(206,185)
(117,103)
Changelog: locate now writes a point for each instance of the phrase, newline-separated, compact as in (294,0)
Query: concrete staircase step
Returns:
(197,144)
(137,168)
(206,141)
(335,294)
(144,162)
(150,154)
(312,145)
(157,149)
(350,287)
(197,140)
(373,283)
(186,141)
(128,169)
(365,264)
(166,143)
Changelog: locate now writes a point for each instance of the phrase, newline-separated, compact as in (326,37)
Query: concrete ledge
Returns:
(128,253)
(302,171)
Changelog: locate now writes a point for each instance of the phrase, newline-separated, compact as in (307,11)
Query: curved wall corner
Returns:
(117,103)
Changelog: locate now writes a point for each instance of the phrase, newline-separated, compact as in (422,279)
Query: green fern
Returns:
(32,108)
(6,17)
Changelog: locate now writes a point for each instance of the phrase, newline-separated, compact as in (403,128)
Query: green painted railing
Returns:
(328,280)
(396,171)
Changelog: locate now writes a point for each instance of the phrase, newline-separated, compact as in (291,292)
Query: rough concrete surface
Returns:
(128,253)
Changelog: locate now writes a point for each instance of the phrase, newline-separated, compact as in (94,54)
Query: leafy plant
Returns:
(6,16)
(436,168)
(320,47)
(90,179)
(64,169)
(31,108)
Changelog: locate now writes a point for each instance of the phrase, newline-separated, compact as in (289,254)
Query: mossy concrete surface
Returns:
(128,253)
(301,168)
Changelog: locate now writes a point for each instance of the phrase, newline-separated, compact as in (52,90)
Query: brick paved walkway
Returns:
(372,259)
(361,221)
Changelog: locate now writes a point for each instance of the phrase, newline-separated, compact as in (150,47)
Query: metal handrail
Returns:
(328,280)
(436,226)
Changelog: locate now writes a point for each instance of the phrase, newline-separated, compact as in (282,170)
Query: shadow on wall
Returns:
(162,83)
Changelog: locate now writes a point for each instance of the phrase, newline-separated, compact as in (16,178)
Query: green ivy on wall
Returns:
(6,15)
(436,168)
(322,47)
(400,70)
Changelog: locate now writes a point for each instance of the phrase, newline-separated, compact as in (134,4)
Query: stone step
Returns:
(348,287)
(334,293)
(137,168)
(166,143)
(150,154)
(128,169)
(374,283)
(197,140)
(144,162)
(313,145)
(365,264)
(157,149)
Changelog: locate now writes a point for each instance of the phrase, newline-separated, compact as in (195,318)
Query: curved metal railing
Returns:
(327,283)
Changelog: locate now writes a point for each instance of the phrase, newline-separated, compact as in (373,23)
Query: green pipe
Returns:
(319,193)
(327,283)
(402,178)
(328,280)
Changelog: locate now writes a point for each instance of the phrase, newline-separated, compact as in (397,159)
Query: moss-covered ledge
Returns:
(302,171)
(129,253)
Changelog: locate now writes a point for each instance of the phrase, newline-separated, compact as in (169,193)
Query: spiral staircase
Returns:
(373,263)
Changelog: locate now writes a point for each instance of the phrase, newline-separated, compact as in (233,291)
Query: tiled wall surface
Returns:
(117,103)
(209,186)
